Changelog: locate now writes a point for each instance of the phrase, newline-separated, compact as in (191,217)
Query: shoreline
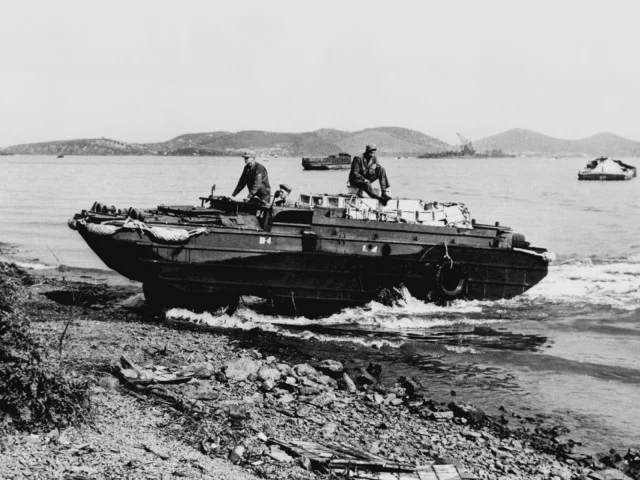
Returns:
(269,395)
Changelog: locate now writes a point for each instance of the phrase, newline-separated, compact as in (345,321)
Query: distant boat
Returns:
(332,162)
(605,168)
(61,156)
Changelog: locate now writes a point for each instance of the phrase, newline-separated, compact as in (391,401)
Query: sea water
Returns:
(569,348)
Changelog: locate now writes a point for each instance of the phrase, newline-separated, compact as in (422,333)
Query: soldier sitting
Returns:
(365,170)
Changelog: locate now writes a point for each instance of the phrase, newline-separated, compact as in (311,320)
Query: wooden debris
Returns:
(156,452)
(134,373)
(350,461)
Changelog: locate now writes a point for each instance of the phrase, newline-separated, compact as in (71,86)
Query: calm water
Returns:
(569,348)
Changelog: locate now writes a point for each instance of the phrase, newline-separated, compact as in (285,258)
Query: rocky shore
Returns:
(170,398)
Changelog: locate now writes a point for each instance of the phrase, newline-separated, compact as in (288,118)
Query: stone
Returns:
(269,373)
(326,380)
(473,414)
(277,454)
(374,369)
(305,370)
(108,382)
(345,383)
(329,429)
(333,368)
(286,398)
(365,378)
(241,368)
(440,416)
(304,411)
(323,399)
(410,385)
(268,385)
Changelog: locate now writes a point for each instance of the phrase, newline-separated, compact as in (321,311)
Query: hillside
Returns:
(90,146)
(391,141)
(527,142)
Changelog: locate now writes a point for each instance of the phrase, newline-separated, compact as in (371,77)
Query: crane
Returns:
(467,146)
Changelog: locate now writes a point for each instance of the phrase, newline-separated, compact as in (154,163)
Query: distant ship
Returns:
(332,162)
(605,168)
(467,150)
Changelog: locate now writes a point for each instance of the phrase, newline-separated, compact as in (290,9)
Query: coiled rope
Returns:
(160,234)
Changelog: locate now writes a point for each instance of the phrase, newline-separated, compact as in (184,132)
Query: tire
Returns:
(518,241)
(451,281)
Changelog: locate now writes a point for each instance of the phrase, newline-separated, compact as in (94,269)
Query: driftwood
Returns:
(134,373)
(357,464)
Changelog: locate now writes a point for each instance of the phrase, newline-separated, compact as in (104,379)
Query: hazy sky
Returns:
(143,71)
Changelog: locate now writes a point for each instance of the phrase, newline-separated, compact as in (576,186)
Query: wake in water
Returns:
(588,286)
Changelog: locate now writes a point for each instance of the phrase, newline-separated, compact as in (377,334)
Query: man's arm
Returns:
(241,183)
(356,171)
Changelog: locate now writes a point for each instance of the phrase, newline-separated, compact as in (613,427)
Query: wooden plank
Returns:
(446,472)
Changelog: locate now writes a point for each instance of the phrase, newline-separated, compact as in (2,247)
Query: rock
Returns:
(333,368)
(309,390)
(440,416)
(325,380)
(608,474)
(268,385)
(377,398)
(305,370)
(262,437)
(304,411)
(286,398)
(108,382)
(277,454)
(285,369)
(473,414)
(374,369)
(329,429)
(396,401)
(323,399)
(365,378)
(241,368)
(269,373)
(237,454)
(290,380)
(410,385)
(345,383)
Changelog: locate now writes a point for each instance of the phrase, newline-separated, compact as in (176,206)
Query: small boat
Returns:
(326,253)
(61,156)
(332,162)
(605,168)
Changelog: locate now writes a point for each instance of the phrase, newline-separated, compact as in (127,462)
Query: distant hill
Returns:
(527,142)
(391,141)
(91,146)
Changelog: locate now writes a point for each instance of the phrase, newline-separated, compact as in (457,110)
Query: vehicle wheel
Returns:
(518,241)
(451,281)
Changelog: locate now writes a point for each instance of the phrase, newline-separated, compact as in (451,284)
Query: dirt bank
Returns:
(175,399)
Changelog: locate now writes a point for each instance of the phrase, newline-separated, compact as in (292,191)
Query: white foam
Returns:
(246,319)
(34,266)
(615,284)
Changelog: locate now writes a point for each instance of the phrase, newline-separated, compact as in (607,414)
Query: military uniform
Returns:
(255,178)
(365,171)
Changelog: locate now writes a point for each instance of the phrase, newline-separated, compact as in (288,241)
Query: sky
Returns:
(147,71)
